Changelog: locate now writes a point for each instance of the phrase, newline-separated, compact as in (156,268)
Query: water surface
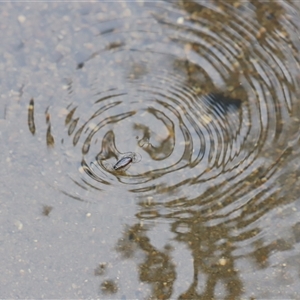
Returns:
(203,96)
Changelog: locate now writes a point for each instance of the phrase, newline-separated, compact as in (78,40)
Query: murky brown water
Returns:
(150,150)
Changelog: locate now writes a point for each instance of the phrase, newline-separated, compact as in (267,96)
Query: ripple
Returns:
(203,99)
(208,105)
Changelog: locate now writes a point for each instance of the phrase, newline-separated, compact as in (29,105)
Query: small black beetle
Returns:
(129,157)
(123,162)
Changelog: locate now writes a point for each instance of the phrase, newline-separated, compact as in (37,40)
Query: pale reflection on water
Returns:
(203,99)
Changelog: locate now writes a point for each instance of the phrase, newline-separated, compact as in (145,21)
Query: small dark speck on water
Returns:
(46,210)
(80,65)
(100,270)
(131,236)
